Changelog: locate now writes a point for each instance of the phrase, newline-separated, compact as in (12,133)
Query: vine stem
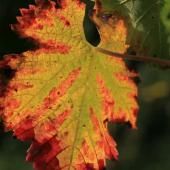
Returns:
(162,62)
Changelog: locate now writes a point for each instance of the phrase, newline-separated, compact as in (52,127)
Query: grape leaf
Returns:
(147,33)
(64,93)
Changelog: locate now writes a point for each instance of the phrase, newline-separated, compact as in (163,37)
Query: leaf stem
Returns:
(161,62)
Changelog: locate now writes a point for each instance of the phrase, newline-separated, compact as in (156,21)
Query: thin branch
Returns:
(162,62)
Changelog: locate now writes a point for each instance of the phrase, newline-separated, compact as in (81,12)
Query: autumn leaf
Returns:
(64,93)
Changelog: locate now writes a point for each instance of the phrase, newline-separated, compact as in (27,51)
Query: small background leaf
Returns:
(147,33)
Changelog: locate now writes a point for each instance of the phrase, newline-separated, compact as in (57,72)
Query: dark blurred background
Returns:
(147,148)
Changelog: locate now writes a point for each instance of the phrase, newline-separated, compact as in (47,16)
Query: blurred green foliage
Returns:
(165,15)
(146,148)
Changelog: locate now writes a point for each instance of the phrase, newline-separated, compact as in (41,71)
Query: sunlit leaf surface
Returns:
(64,93)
